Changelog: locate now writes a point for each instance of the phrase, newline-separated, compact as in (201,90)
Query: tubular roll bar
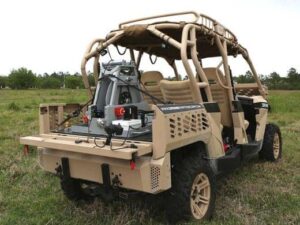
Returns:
(89,53)
(221,35)
(83,65)
(196,15)
(199,18)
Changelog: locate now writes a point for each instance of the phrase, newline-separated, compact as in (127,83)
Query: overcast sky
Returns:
(51,35)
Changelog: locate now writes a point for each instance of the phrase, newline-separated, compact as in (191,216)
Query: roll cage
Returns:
(189,42)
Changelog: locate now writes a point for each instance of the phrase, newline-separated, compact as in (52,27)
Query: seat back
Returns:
(150,83)
(219,94)
(177,91)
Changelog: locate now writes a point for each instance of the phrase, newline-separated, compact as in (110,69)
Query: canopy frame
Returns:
(187,46)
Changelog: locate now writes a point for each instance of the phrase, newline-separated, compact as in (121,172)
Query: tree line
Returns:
(23,78)
(274,81)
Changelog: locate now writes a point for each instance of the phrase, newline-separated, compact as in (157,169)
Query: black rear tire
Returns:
(181,199)
(272,144)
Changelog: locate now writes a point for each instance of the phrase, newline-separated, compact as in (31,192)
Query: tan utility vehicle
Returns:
(145,133)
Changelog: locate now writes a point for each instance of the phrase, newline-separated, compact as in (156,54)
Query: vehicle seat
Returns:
(219,94)
(151,84)
(177,91)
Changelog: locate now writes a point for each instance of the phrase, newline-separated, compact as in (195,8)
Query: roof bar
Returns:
(196,15)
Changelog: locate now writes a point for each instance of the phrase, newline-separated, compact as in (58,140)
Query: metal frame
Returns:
(220,34)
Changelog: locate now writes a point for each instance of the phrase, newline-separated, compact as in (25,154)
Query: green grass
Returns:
(257,193)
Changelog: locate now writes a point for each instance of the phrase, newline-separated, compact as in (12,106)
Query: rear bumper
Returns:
(86,162)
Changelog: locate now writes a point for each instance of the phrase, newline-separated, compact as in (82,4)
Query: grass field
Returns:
(257,193)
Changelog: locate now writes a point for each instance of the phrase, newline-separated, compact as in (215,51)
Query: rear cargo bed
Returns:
(85,145)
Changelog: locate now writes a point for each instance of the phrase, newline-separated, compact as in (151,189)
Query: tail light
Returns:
(119,112)
(226,147)
(132,164)
(85,119)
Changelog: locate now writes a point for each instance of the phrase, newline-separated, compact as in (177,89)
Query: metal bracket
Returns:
(65,168)
(105,176)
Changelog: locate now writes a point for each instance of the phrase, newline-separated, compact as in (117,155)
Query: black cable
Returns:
(153,62)
(146,111)
(232,83)
(89,123)
(129,96)
(120,52)
(75,113)
(96,145)
(144,92)
(111,59)
(130,127)
(154,99)
(111,148)
(107,65)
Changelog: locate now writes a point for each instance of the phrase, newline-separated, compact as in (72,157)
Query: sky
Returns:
(52,35)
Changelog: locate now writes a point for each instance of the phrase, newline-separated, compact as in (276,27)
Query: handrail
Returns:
(121,25)
(212,23)
(218,76)
(221,82)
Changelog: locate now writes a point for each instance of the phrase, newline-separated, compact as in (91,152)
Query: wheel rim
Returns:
(200,196)
(276,146)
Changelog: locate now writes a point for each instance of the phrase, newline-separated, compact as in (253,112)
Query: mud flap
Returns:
(106,176)
(65,169)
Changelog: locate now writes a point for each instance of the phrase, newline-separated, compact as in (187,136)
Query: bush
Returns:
(48,83)
(91,80)
(3,81)
(13,107)
(21,79)
(73,82)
